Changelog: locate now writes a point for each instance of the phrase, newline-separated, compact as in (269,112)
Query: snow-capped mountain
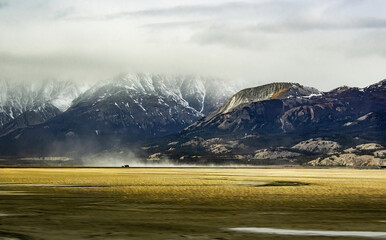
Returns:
(128,108)
(201,94)
(150,104)
(23,104)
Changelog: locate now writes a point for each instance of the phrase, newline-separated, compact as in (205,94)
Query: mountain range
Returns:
(28,104)
(124,109)
(195,119)
(284,123)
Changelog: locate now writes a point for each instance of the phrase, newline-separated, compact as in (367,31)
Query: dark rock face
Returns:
(30,118)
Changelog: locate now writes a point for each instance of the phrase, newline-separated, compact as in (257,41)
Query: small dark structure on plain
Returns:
(127,165)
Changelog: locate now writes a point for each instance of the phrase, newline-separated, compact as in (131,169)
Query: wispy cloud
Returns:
(322,24)
(234,9)
(191,10)
(174,24)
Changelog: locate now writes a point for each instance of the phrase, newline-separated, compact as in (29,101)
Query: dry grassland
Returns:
(175,203)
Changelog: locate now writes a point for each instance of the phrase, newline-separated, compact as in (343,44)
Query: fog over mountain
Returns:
(319,43)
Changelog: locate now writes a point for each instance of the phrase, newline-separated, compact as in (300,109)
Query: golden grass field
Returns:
(187,203)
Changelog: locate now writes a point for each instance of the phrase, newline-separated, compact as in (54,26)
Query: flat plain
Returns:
(188,203)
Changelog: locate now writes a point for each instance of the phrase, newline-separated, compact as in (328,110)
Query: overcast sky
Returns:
(320,43)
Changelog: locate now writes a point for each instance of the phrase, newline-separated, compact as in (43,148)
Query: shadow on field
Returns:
(13,236)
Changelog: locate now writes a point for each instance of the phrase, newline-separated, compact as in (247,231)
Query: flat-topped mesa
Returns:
(278,90)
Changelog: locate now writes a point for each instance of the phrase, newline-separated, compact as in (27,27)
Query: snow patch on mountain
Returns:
(199,93)
(17,98)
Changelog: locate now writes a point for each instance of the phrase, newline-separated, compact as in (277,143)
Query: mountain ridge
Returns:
(38,102)
(161,117)
(126,108)
(343,116)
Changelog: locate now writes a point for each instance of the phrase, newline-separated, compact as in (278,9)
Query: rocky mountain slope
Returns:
(274,122)
(121,110)
(248,103)
(280,90)
(363,155)
(302,111)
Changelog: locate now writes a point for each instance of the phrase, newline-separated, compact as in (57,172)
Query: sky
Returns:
(318,43)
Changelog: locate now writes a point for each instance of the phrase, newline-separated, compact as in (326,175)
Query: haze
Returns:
(319,43)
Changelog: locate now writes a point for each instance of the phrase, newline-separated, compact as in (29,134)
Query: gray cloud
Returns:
(372,44)
(294,25)
(314,42)
(174,24)
(254,36)
(64,13)
(322,24)
(3,4)
(239,37)
(229,8)
(233,9)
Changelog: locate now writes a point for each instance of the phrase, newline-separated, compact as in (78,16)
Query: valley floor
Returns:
(188,203)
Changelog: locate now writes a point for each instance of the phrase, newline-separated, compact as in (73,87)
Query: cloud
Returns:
(295,25)
(3,4)
(373,44)
(238,37)
(173,25)
(314,42)
(258,36)
(229,7)
(230,10)
(64,13)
